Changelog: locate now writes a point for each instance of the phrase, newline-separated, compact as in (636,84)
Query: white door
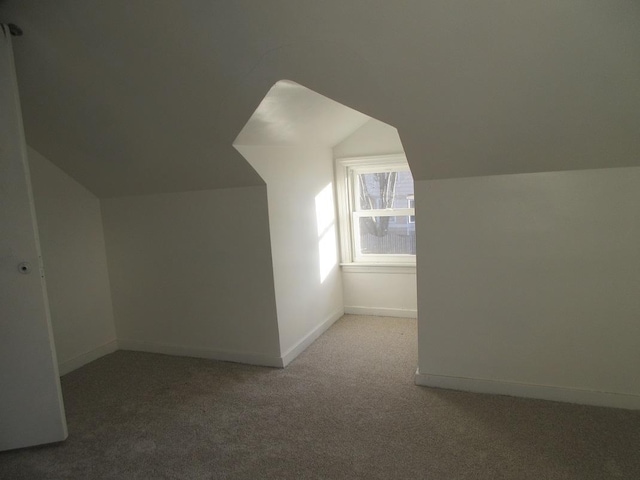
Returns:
(31,409)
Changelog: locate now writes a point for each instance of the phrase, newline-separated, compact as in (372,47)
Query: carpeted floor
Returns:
(347,408)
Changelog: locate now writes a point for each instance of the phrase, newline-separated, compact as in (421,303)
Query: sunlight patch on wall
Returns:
(326,218)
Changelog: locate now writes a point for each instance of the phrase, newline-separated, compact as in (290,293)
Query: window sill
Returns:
(378,268)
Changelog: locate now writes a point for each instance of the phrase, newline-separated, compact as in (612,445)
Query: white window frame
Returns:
(411,199)
(349,211)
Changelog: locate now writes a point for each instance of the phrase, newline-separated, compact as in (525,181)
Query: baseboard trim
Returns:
(310,337)
(87,357)
(542,392)
(222,355)
(381,312)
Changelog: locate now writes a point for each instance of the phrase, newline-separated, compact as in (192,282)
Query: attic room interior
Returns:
(338,239)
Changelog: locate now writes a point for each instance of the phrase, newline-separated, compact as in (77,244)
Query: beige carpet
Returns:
(347,408)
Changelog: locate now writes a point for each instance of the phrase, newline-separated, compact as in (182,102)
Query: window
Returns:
(377,210)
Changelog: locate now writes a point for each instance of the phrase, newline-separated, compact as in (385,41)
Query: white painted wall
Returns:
(191,274)
(388,294)
(75,262)
(529,285)
(308,295)
(373,138)
(372,293)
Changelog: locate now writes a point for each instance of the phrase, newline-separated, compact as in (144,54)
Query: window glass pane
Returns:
(384,190)
(387,236)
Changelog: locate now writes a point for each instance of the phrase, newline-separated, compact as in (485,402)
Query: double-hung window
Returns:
(377,214)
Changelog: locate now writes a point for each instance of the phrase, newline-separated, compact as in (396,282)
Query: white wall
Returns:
(529,285)
(308,295)
(73,251)
(373,138)
(366,292)
(191,274)
(389,294)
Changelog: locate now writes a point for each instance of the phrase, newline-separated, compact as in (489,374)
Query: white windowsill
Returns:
(378,267)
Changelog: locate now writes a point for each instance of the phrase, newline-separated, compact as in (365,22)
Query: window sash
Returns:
(354,184)
(358,256)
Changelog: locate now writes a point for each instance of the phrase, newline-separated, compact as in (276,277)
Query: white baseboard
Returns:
(87,357)
(223,355)
(381,312)
(310,337)
(543,392)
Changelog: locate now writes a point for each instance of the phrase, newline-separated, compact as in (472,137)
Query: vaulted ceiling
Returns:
(145,96)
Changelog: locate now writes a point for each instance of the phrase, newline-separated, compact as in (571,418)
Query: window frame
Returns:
(348,211)
(412,199)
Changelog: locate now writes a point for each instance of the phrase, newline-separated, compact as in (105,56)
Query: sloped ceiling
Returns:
(133,97)
(291,114)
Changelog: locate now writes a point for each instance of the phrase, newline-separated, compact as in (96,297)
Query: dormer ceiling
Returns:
(291,114)
(135,97)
